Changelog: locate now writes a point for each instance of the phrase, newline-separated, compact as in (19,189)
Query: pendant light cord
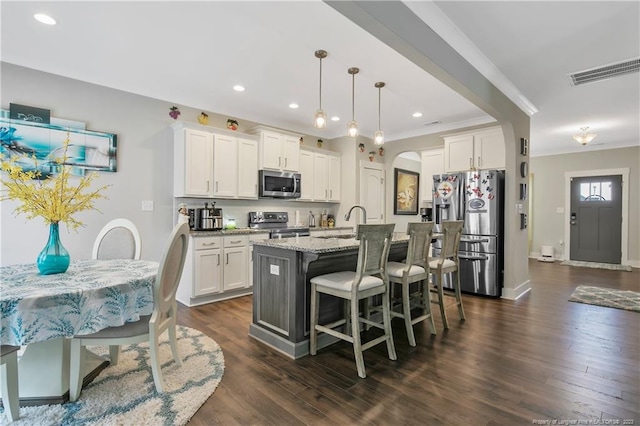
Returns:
(353,97)
(379,96)
(320,83)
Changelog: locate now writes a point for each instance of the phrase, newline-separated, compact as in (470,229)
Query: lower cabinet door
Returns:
(208,272)
(235,268)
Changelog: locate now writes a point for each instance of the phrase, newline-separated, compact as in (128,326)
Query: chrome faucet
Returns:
(364,213)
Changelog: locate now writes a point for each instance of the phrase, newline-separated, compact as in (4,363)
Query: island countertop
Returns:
(323,244)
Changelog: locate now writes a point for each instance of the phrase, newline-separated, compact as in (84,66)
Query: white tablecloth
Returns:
(90,296)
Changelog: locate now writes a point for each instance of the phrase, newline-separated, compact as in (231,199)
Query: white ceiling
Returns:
(192,53)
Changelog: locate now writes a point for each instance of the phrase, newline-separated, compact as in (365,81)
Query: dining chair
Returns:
(448,263)
(118,239)
(9,381)
(369,279)
(148,328)
(413,277)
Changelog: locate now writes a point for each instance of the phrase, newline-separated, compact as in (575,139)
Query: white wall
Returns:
(144,162)
(548,194)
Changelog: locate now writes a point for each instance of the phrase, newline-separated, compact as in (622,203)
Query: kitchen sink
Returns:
(340,236)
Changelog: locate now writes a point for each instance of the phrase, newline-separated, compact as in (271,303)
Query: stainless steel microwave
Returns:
(279,184)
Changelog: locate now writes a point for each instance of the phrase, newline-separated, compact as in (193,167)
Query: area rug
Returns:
(619,299)
(125,394)
(596,265)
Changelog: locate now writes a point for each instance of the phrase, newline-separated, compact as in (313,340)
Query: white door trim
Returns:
(625,207)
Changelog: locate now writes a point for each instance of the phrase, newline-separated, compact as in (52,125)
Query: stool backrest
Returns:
(420,236)
(375,241)
(452,231)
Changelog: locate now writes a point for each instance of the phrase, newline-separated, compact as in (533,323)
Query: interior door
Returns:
(372,192)
(596,219)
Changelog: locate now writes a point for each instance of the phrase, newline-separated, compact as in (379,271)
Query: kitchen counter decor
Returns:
(52,198)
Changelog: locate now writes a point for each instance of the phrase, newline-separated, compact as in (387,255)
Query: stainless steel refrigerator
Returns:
(477,197)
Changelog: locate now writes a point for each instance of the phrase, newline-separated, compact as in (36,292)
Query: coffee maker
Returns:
(426,214)
(205,219)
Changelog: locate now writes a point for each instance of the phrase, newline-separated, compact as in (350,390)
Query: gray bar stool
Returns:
(415,269)
(369,279)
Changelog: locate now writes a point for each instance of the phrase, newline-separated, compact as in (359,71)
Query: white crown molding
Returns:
(439,22)
(438,128)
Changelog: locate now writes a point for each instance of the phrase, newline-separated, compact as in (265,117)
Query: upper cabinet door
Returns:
(335,173)
(271,151)
(198,163)
(320,183)
(291,153)
(432,164)
(225,166)
(458,153)
(489,150)
(482,149)
(306,175)
(247,169)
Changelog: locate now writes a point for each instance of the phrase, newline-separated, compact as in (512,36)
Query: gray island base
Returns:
(282,271)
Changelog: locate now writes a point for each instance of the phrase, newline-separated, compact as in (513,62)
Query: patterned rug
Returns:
(125,394)
(619,299)
(610,266)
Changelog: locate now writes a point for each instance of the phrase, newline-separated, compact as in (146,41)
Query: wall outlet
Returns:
(147,206)
(274,269)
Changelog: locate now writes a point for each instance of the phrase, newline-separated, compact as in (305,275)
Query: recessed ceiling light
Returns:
(293,105)
(334,118)
(417,114)
(45,19)
(238,88)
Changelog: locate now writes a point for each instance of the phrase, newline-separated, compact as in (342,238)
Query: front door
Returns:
(372,192)
(596,219)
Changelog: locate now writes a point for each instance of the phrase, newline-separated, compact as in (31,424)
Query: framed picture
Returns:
(36,147)
(524,146)
(406,189)
(27,113)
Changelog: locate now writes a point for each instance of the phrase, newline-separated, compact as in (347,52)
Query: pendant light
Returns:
(584,137)
(352,127)
(378,136)
(320,118)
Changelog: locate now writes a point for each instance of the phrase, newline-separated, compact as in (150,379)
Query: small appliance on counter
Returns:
(205,219)
(276,223)
(426,214)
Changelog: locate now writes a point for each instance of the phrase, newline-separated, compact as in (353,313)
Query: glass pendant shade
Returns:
(320,118)
(352,129)
(320,121)
(378,137)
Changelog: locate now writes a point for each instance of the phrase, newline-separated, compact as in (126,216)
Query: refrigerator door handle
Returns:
(465,240)
(462,256)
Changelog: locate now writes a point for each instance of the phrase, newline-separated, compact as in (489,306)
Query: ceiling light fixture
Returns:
(378,136)
(584,137)
(417,114)
(45,19)
(335,118)
(293,105)
(320,118)
(238,88)
(352,127)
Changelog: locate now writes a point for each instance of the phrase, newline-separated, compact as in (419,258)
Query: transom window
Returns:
(595,191)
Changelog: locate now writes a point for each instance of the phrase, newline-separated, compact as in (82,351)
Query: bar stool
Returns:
(415,269)
(448,263)
(9,381)
(369,279)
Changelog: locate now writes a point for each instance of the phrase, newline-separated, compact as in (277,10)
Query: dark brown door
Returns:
(596,219)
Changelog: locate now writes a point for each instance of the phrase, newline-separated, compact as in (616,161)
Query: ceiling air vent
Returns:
(604,72)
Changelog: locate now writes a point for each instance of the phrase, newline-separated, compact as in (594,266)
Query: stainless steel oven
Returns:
(276,223)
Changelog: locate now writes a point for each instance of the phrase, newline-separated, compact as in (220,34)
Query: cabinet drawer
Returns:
(235,241)
(203,243)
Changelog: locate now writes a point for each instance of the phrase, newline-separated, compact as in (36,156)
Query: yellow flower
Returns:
(52,198)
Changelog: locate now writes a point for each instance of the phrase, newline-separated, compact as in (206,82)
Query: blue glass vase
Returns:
(54,258)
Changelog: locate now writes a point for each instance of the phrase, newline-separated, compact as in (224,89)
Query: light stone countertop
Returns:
(322,245)
(223,232)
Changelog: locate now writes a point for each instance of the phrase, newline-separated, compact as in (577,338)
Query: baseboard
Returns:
(537,254)
(518,292)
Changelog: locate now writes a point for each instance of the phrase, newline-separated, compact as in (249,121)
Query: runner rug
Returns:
(125,394)
(610,266)
(611,298)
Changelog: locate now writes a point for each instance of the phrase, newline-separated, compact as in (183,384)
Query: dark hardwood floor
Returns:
(510,363)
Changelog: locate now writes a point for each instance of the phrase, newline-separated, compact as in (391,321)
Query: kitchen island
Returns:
(281,286)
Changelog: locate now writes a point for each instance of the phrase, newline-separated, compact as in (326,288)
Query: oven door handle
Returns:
(462,256)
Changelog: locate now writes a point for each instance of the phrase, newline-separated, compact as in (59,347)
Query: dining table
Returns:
(41,313)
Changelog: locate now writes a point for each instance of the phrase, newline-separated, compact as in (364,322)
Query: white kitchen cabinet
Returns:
(277,150)
(306,175)
(225,166)
(247,169)
(320,172)
(216,268)
(207,266)
(432,164)
(481,149)
(193,162)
